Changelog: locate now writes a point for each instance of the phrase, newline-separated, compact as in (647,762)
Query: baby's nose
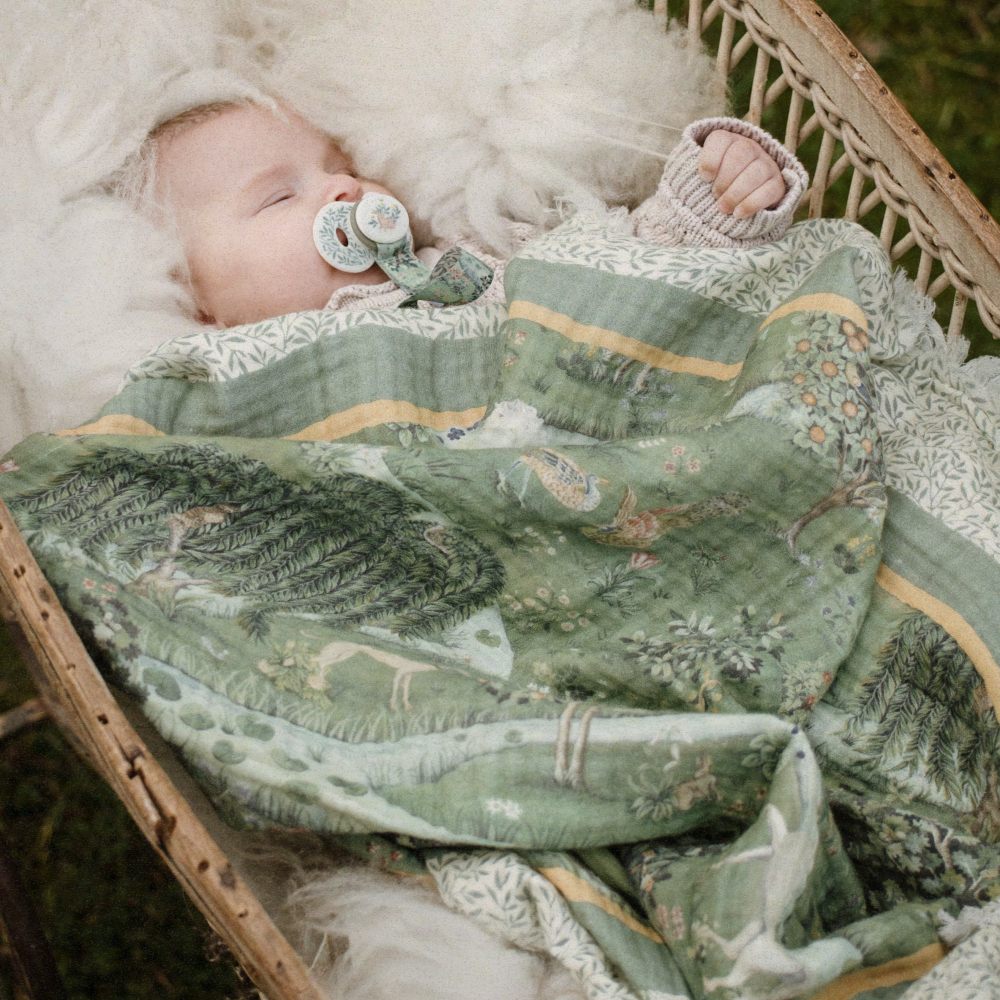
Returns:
(342,187)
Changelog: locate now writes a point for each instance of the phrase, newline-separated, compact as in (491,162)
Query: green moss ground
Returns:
(118,923)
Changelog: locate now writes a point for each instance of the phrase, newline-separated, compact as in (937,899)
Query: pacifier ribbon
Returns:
(352,236)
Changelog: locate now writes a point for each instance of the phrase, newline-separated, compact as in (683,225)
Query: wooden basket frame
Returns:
(865,132)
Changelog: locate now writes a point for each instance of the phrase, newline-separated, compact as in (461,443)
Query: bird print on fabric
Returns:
(637,529)
(562,478)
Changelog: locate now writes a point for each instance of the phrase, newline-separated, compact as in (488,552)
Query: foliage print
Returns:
(906,854)
(802,685)
(287,670)
(107,618)
(635,396)
(765,752)
(601,366)
(660,793)
(925,711)
(344,550)
(695,653)
(545,608)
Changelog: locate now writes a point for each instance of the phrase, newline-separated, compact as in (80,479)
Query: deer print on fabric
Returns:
(403,669)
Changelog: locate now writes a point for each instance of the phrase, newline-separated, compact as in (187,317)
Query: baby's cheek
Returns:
(290,274)
(304,281)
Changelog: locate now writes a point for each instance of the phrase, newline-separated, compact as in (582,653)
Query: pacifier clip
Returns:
(377,231)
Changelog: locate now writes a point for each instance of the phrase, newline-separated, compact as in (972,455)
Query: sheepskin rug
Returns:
(473,113)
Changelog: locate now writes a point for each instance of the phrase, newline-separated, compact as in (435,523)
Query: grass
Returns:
(118,923)
(940,57)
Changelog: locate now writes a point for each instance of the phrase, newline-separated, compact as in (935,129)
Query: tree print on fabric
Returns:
(344,550)
(821,387)
(906,855)
(833,390)
(696,655)
(925,711)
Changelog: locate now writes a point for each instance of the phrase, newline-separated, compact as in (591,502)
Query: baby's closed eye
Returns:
(276,198)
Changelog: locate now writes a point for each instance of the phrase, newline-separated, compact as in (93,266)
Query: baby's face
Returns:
(244,187)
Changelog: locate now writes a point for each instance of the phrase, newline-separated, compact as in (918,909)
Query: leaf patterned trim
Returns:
(507,897)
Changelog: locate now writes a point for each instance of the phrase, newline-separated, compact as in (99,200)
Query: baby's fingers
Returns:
(759,186)
(744,177)
(713,152)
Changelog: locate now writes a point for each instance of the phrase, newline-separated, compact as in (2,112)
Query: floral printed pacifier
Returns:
(352,236)
(376,226)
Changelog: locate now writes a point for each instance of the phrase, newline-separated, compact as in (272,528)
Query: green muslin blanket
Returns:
(596,606)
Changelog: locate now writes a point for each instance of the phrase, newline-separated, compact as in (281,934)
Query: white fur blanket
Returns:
(474,113)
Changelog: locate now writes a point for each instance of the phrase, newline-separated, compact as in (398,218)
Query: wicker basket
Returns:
(809,87)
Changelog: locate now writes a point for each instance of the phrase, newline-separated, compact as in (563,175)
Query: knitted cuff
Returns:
(698,221)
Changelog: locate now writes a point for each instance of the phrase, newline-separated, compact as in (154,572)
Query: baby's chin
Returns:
(343,279)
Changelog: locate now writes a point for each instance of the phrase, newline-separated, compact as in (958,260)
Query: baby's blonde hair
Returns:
(135,180)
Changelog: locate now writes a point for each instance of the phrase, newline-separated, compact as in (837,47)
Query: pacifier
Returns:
(377,226)
(352,236)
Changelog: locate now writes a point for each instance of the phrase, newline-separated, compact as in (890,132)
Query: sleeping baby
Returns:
(242,184)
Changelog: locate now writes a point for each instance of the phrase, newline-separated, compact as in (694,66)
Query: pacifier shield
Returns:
(354,256)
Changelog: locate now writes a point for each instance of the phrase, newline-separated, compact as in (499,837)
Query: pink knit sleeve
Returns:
(683,211)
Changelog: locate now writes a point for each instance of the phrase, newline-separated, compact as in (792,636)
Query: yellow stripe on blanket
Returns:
(597,336)
(899,970)
(381,411)
(952,622)
(576,890)
(821,302)
(114,423)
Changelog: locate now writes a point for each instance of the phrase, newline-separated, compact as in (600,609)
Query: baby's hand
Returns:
(744,177)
